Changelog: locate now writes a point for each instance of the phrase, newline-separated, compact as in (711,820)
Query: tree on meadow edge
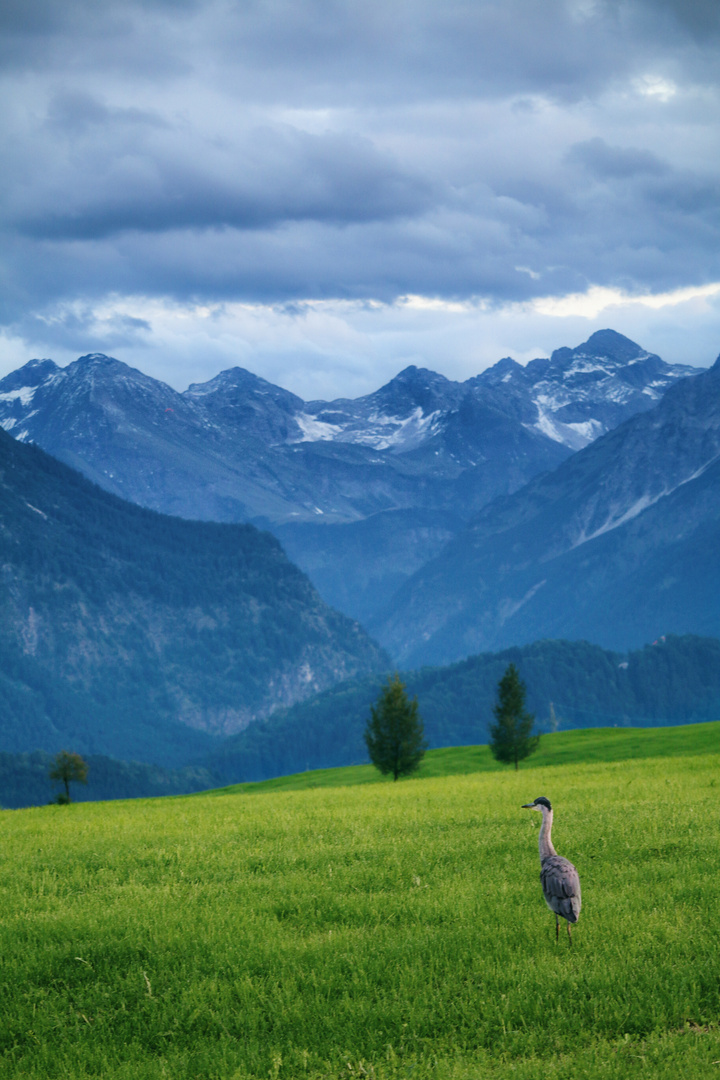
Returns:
(511,737)
(395,734)
(69,768)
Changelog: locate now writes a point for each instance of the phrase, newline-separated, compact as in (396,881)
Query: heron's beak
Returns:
(528,806)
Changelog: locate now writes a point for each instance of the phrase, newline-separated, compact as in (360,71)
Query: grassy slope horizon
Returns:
(582,745)
(380,930)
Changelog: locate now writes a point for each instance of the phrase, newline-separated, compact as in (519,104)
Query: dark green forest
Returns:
(570,684)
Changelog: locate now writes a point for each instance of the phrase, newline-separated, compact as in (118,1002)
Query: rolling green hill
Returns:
(593,745)
(374,930)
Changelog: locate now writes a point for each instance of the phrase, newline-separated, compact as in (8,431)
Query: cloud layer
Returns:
(175,153)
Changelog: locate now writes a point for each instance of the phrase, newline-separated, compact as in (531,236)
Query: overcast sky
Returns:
(325,191)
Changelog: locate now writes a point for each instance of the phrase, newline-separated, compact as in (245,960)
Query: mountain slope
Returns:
(617,545)
(137,635)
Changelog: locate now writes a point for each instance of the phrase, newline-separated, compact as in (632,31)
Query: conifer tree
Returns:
(394,734)
(511,736)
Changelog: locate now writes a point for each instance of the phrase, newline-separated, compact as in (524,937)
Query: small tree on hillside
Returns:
(511,737)
(69,768)
(394,734)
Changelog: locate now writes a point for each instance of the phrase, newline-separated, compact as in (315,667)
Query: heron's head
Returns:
(541,803)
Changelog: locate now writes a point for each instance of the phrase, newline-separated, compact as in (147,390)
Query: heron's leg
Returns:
(569,934)
(557,928)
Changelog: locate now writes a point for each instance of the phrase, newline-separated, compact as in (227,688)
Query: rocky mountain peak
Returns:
(32,374)
(414,388)
(96,358)
(608,345)
(99,363)
(230,377)
(503,371)
(413,376)
(237,384)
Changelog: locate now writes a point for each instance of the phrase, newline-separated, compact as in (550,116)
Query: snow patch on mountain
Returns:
(628,514)
(546,426)
(376,431)
(589,430)
(508,608)
(397,431)
(575,435)
(316,430)
(23,394)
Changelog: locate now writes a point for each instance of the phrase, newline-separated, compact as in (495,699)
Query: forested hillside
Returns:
(571,684)
(129,633)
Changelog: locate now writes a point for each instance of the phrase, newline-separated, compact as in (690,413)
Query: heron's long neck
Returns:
(545,842)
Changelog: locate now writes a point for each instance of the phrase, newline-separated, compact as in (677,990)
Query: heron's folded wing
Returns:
(559,878)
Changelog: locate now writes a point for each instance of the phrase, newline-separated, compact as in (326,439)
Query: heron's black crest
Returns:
(542,801)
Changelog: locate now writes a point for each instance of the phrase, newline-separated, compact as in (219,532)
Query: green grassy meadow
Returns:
(343,928)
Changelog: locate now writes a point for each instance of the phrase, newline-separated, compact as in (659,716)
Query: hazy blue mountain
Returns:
(137,635)
(396,470)
(570,684)
(361,564)
(619,544)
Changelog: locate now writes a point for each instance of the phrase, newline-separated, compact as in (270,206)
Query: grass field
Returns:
(375,929)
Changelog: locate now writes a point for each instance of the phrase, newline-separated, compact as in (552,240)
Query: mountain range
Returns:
(361,493)
(137,635)
(618,545)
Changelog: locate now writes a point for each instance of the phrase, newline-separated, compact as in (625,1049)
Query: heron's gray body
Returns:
(561,887)
(559,878)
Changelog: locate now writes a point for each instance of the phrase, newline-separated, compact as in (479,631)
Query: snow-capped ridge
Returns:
(238,447)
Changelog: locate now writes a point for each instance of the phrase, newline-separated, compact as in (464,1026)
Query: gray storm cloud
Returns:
(122,175)
(294,150)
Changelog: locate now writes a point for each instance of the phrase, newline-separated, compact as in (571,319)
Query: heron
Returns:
(558,877)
